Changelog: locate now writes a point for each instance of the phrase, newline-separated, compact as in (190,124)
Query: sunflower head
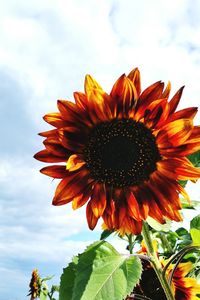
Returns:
(35,285)
(122,153)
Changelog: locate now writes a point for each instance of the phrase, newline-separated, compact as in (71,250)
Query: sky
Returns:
(46,48)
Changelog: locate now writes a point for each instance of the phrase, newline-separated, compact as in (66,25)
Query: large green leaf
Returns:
(195,230)
(157,226)
(67,280)
(101,273)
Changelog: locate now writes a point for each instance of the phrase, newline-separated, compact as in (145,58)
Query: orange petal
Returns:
(173,103)
(99,102)
(71,186)
(55,171)
(55,119)
(98,200)
(47,156)
(174,133)
(91,219)
(74,162)
(134,76)
(155,113)
(156,213)
(82,198)
(178,168)
(167,90)
(91,84)
(124,94)
(81,100)
(195,135)
(133,207)
(183,150)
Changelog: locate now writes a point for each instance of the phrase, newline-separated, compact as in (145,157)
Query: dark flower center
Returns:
(121,152)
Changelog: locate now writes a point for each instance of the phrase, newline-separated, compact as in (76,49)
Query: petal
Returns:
(173,103)
(55,171)
(141,194)
(91,84)
(71,186)
(167,90)
(98,200)
(54,146)
(82,198)
(55,119)
(71,113)
(178,168)
(75,162)
(91,218)
(49,133)
(134,76)
(174,133)
(155,113)
(124,94)
(183,150)
(81,100)
(47,156)
(99,103)
(133,207)
(71,141)
(151,93)
(186,113)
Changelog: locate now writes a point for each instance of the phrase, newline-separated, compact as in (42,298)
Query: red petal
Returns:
(173,103)
(98,200)
(54,146)
(91,219)
(71,186)
(47,156)
(134,76)
(55,171)
(124,94)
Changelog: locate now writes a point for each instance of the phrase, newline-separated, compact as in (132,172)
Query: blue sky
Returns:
(46,48)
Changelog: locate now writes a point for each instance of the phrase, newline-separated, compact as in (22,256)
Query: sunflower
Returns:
(184,288)
(123,153)
(35,285)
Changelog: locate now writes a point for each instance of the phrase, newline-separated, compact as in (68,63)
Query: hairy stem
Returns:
(155,262)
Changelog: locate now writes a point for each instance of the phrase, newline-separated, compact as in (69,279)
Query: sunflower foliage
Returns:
(127,156)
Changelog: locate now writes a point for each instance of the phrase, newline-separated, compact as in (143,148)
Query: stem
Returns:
(155,262)
(130,242)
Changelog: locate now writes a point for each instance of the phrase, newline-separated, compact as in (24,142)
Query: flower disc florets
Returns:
(121,153)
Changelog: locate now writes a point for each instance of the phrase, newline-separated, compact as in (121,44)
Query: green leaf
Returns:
(157,226)
(67,280)
(101,273)
(195,230)
(195,158)
(44,292)
(106,233)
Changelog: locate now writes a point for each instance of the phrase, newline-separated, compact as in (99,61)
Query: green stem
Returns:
(155,262)
(130,242)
